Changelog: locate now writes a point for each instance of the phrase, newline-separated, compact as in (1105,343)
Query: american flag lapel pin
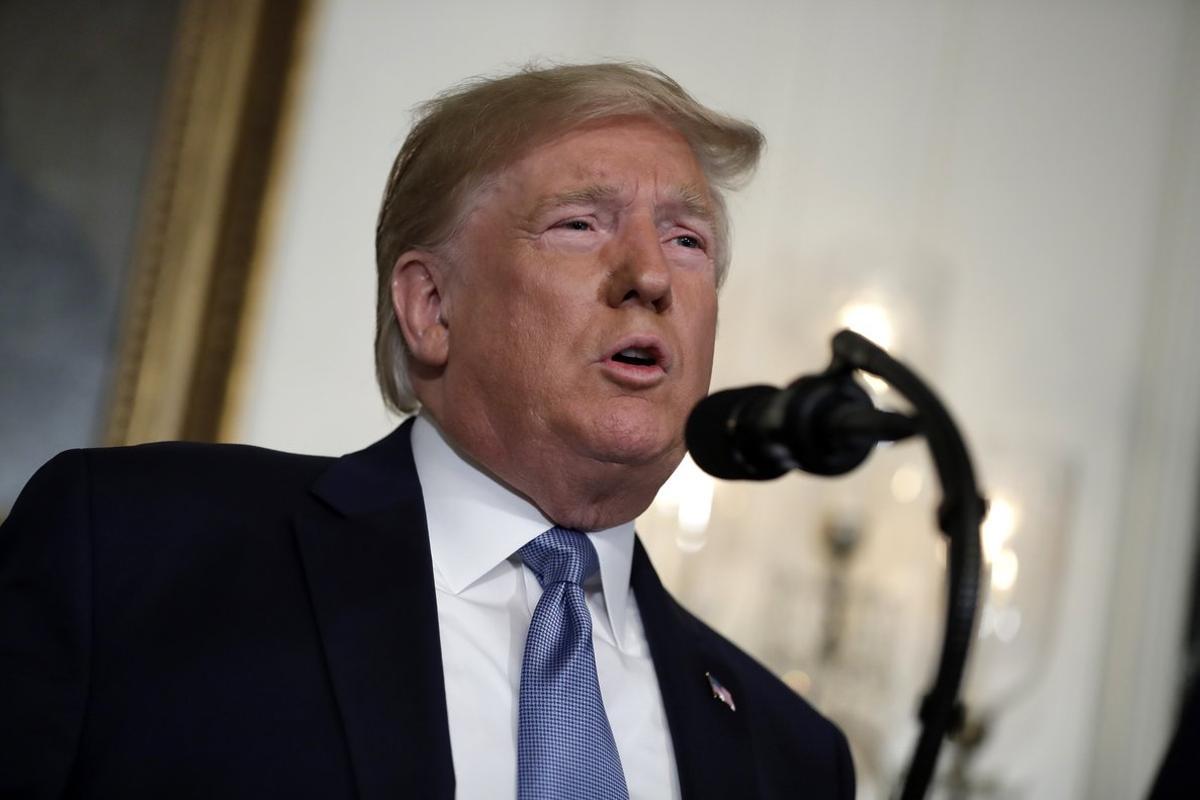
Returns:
(720,692)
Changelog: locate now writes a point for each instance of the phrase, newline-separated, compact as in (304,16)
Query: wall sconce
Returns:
(1023,539)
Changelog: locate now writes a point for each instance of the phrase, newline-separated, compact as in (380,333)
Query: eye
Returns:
(690,242)
(575,225)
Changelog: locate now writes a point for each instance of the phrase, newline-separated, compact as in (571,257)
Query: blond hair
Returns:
(474,130)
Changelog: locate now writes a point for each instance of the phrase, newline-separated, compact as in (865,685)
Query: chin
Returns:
(636,438)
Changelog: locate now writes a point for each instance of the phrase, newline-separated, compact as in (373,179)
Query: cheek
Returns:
(557,316)
(529,349)
(515,346)
(489,342)
(703,340)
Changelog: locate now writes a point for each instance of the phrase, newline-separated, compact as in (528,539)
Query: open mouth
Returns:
(638,362)
(637,356)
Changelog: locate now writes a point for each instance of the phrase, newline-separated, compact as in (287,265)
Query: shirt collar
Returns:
(475,522)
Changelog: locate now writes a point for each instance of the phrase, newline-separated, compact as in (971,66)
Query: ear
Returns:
(417,304)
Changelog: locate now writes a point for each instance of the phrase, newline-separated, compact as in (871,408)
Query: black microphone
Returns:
(824,424)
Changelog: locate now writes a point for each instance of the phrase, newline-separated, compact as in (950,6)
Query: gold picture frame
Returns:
(223,113)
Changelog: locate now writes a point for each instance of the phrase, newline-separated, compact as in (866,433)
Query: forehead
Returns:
(626,153)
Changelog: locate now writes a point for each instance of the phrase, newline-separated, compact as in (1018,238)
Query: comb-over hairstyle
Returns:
(474,130)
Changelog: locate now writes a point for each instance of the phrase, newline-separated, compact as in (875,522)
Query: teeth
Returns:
(636,352)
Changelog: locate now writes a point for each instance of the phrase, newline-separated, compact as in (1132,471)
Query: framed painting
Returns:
(137,139)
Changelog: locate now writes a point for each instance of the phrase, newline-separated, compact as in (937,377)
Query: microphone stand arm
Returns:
(959,516)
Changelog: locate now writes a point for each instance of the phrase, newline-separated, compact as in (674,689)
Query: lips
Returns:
(638,361)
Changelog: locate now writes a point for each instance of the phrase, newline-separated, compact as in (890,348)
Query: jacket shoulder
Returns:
(186,479)
(204,463)
(196,455)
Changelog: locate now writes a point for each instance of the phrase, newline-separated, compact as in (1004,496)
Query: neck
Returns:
(572,491)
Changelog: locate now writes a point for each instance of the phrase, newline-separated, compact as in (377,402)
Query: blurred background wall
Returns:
(1008,194)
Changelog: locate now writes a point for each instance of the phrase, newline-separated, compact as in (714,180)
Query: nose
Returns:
(641,275)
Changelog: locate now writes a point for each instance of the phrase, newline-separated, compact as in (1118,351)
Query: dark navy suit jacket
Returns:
(216,621)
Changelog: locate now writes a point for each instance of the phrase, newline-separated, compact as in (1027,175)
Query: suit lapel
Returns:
(365,551)
(711,740)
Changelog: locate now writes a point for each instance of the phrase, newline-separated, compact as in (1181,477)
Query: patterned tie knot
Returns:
(561,555)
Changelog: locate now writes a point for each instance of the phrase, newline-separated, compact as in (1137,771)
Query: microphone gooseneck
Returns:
(826,424)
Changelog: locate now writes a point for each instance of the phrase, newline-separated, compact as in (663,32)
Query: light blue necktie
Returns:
(565,747)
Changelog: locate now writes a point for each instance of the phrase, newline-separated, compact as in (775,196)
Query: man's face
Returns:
(582,304)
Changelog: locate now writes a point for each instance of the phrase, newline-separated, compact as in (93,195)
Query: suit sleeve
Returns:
(45,629)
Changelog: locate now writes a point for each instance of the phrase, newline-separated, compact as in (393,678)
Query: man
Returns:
(462,608)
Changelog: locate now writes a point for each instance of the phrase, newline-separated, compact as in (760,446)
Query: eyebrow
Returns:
(693,202)
(588,195)
(688,197)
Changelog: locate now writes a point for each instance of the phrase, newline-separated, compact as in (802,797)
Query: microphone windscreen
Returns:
(711,432)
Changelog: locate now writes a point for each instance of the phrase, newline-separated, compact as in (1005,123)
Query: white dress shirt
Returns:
(485,599)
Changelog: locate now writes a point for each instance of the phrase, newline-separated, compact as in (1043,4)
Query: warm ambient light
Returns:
(688,494)
(870,320)
(907,483)
(798,680)
(1004,570)
(998,526)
